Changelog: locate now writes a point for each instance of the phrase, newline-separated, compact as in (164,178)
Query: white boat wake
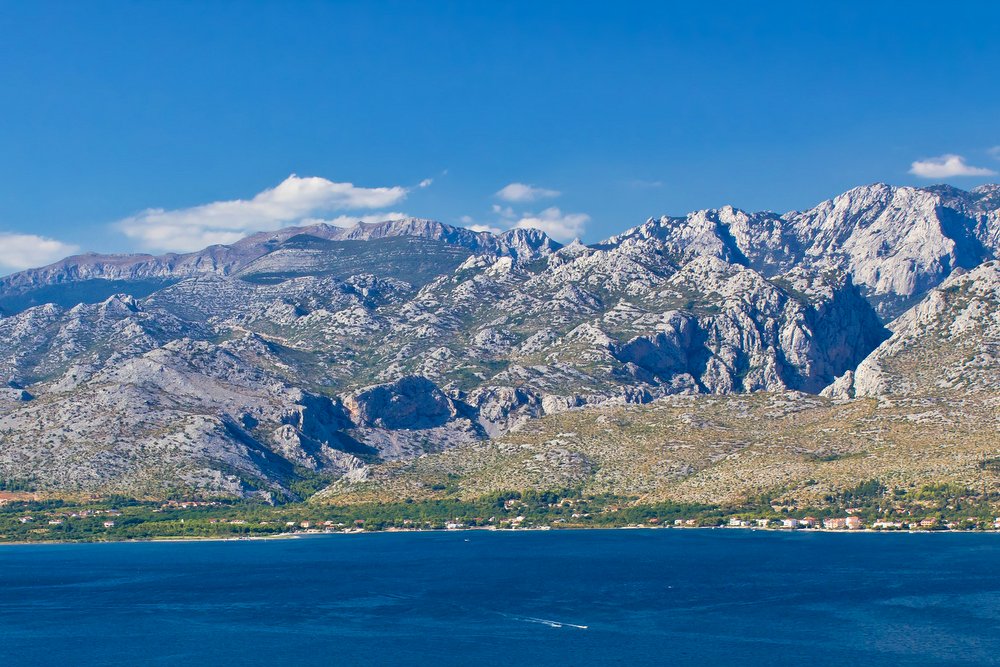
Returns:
(548,622)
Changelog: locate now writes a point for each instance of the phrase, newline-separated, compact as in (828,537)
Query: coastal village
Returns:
(855,523)
(27,517)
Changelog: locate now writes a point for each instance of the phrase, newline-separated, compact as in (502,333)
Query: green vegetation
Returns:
(832,456)
(864,492)
(22,484)
(121,518)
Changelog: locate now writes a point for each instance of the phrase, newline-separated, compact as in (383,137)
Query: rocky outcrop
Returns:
(896,242)
(411,402)
(15,392)
(798,333)
(948,344)
(501,409)
(671,351)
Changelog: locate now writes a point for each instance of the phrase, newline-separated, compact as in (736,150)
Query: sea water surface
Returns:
(621,597)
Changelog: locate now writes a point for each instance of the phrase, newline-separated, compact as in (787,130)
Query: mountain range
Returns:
(379,358)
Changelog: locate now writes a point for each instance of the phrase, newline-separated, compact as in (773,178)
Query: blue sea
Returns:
(614,597)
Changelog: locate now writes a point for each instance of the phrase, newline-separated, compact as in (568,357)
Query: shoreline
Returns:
(302,534)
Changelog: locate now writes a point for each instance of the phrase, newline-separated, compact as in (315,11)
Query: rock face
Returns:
(795,333)
(322,350)
(948,344)
(895,242)
(412,402)
(501,409)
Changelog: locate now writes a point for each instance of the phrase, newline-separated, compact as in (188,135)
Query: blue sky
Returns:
(142,126)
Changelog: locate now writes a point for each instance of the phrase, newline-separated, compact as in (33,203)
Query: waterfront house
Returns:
(836,523)
(790,523)
(852,523)
(809,522)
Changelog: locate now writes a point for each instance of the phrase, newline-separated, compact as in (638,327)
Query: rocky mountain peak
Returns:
(333,348)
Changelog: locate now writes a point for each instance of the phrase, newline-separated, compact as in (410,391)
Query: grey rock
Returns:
(235,369)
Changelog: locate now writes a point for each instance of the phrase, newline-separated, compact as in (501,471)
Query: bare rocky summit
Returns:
(353,355)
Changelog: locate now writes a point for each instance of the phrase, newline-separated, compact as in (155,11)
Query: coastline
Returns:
(470,529)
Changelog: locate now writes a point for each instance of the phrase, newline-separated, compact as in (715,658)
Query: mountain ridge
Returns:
(897,242)
(223,259)
(342,352)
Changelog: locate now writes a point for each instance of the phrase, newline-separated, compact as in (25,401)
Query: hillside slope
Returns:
(927,415)
(339,355)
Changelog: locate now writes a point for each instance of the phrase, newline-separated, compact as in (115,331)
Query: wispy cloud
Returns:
(24,251)
(521,193)
(558,225)
(994,152)
(291,201)
(640,184)
(946,166)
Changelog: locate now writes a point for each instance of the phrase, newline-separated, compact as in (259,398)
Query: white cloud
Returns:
(352,220)
(470,223)
(24,251)
(995,152)
(504,211)
(484,228)
(946,166)
(560,226)
(292,200)
(426,183)
(519,192)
